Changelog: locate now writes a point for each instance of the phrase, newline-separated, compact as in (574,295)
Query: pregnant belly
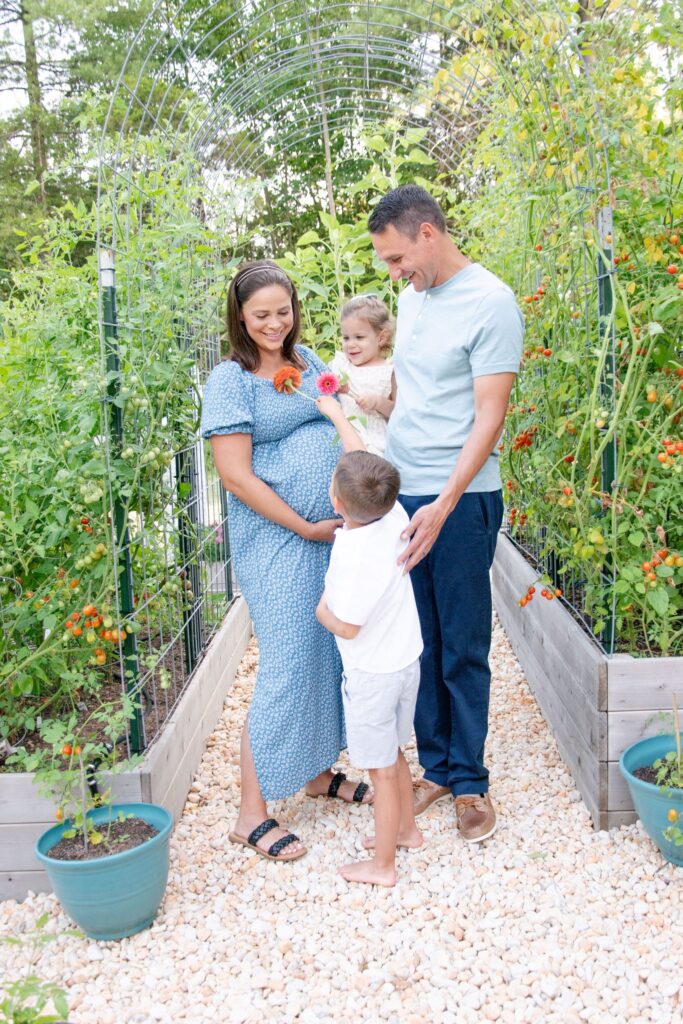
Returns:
(299,468)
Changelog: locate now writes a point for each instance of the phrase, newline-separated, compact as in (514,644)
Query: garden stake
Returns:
(609,484)
(124,576)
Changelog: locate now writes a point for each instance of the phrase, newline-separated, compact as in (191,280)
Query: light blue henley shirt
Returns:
(467,327)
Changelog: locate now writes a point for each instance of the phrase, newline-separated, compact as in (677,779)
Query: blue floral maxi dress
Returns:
(295,721)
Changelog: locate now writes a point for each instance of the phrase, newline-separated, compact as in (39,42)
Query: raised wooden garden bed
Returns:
(595,704)
(164,776)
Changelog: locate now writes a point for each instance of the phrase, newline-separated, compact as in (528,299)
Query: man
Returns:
(458,346)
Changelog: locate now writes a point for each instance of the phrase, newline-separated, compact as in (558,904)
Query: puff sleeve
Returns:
(227,405)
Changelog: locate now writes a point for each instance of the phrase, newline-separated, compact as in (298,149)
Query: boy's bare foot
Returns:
(410,841)
(368,871)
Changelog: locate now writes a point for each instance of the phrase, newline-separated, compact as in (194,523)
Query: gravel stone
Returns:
(546,923)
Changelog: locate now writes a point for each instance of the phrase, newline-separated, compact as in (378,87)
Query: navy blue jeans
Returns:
(453,594)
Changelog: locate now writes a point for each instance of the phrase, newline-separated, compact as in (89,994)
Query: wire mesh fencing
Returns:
(243,121)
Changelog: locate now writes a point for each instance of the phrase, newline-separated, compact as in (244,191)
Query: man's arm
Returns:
(329,620)
(491,396)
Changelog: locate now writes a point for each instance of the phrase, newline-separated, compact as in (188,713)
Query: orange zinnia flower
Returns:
(288,379)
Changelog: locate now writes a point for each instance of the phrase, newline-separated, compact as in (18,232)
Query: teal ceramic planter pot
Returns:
(651,802)
(117,895)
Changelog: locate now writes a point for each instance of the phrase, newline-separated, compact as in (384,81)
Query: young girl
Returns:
(367,332)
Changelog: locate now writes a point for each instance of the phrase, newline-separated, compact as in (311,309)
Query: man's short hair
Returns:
(367,486)
(406,207)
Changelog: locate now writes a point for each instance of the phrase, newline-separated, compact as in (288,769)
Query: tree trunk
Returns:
(586,12)
(36,111)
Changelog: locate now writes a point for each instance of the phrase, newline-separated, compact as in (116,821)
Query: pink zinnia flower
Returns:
(328,383)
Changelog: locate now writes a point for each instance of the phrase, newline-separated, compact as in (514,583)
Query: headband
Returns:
(257,269)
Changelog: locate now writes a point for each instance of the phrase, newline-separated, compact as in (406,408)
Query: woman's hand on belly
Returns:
(323,530)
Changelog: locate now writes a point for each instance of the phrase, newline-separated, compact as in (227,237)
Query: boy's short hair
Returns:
(367,485)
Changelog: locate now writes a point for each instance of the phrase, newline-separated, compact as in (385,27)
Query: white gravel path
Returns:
(546,922)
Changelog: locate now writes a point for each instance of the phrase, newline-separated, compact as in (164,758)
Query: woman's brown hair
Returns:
(249,279)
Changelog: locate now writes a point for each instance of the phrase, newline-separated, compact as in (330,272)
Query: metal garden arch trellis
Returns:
(241,87)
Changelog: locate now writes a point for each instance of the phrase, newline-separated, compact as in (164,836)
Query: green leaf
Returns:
(658,600)
(317,289)
(61,1004)
(377,143)
(330,222)
(308,238)
(416,156)
(636,538)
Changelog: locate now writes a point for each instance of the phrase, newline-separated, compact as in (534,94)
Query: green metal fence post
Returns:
(124,568)
(609,483)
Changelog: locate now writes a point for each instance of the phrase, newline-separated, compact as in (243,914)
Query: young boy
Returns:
(368,604)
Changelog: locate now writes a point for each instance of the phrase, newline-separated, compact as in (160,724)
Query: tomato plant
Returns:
(73,486)
(582,121)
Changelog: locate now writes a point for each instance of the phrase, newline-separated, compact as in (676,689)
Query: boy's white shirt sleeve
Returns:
(351,593)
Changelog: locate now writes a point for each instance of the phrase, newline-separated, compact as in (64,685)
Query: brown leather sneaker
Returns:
(426,793)
(475,816)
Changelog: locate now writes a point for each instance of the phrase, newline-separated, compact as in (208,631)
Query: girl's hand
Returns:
(368,403)
(330,407)
(323,531)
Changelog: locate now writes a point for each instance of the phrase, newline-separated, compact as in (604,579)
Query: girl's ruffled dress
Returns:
(365,380)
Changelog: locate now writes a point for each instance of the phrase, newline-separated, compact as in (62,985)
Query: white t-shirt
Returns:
(365,587)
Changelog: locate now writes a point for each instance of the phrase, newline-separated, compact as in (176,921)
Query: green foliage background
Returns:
(565,116)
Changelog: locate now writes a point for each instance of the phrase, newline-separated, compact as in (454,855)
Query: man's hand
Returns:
(423,528)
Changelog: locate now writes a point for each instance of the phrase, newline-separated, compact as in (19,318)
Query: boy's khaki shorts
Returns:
(379,708)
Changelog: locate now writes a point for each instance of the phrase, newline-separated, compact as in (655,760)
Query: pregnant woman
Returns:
(274,453)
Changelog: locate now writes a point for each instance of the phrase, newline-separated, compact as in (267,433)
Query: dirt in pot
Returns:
(116,838)
(646,774)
